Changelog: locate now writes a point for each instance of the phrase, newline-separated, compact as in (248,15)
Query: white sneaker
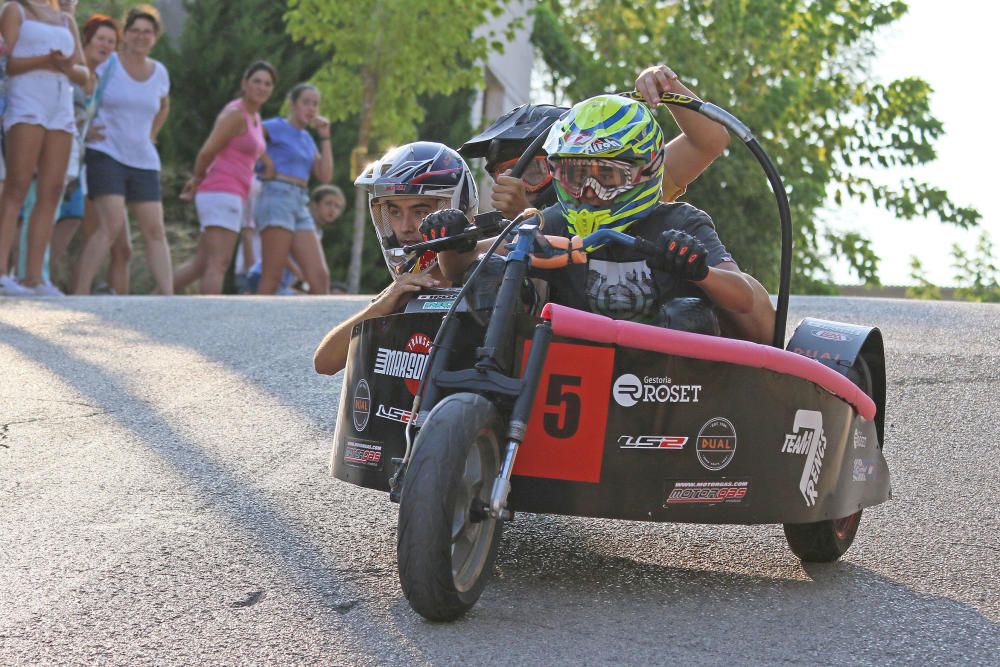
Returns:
(10,287)
(46,289)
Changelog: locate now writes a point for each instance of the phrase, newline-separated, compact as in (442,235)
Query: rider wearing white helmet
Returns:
(403,187)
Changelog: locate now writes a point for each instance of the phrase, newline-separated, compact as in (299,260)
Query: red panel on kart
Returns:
(573,323)
(565,437)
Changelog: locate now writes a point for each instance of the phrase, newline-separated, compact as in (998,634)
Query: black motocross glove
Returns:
(682,255)
(449,222)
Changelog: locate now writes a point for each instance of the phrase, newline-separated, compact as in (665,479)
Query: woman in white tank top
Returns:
(45,57)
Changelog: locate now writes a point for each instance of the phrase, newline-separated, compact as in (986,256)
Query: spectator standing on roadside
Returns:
(100,39)
(326,203)
(44,59)
(3,107)
(123,166)
(282,215)
(223,173)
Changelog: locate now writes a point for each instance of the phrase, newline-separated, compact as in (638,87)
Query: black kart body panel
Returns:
(624,433)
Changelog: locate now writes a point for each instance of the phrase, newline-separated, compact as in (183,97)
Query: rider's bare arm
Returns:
(701,140)
(757,325)
(331,354)
(728,288)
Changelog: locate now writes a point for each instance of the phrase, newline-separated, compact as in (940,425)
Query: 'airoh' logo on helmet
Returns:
(603,145)
(590,144)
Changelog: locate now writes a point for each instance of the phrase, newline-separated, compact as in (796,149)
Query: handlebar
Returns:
(548,252)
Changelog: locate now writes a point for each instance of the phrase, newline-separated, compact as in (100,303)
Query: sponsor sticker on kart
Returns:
(828,334)
(436,305)
(630,390)
(394,414)
(816,354)
(407,363)
(865,470)
(708,492)
(716,444)
(362,405)
(807,438)
(652,442)
(860,439)
(363,454)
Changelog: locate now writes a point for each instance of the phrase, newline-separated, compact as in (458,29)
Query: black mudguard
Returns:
(838,345)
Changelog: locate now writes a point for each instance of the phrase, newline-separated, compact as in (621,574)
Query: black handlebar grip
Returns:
(647,248)
(490,223)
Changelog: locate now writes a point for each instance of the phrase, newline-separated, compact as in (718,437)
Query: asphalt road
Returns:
(164,497)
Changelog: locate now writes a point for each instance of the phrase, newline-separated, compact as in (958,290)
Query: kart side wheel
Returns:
(826,541)
(822,541)
(447,540)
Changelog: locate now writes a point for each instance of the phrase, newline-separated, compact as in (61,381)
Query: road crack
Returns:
(5,428)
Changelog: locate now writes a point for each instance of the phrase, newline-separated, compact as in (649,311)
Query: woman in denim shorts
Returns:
(282,211)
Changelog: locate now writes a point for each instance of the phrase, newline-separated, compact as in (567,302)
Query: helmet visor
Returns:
(607,178)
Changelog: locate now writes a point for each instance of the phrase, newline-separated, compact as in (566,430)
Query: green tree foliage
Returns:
(379,61)
(977,272)
(922,287)
(114,8)
(796,72)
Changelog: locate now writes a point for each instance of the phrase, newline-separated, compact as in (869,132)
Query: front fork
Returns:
(519,418)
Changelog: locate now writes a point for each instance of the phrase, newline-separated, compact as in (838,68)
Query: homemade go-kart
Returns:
(554,410)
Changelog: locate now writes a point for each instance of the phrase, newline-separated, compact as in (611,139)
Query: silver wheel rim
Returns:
(471,540)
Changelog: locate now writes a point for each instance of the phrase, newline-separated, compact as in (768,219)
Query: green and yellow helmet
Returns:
(616,128)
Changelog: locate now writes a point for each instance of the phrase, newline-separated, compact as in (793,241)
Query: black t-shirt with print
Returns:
(616,281)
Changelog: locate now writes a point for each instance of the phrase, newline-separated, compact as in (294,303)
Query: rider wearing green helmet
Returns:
(612,148)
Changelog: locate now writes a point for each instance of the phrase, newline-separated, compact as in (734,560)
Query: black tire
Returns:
(822,541)
(446,547)
(826,541)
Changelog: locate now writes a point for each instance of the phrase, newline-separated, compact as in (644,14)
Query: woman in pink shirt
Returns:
(220,186)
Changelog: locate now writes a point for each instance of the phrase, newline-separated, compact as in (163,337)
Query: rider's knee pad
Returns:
(689,314)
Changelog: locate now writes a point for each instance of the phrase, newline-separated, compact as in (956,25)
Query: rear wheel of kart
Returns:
(826,541)
(447,540)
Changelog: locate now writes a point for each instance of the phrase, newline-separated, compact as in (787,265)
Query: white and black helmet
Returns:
(423,168)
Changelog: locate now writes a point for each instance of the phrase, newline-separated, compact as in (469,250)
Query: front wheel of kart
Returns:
(447,541)
(826,541)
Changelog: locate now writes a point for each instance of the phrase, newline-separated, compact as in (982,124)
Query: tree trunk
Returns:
(360,199)
(357,240)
